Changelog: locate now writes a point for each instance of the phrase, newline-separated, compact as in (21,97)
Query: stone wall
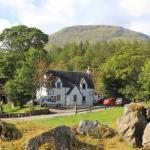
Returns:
(15,115)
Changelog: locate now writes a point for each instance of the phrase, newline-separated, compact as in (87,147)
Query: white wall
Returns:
(42,92)
(86,92)
(70,100)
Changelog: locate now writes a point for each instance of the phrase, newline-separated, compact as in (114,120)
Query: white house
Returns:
(69,87)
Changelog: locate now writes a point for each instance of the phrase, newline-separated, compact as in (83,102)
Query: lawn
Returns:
(35,127)
(17,109)
(108,116)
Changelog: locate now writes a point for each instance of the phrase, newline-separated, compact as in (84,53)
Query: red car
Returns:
(109,102)
(122,101)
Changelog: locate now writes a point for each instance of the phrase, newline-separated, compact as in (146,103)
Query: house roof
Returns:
(69,91)
(70,79)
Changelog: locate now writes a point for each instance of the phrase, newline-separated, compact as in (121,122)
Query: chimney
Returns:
(88,70)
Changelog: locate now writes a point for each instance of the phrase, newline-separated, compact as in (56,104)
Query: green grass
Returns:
(108,116)
(33,128)
(17,109)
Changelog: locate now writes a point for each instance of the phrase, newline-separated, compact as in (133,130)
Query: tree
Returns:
(121,72)
(9,62)
(21,88)
(144,80)
(39,76)
(22,38)
(19,70)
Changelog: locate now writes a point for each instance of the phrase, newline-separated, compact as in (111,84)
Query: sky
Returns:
(52,15)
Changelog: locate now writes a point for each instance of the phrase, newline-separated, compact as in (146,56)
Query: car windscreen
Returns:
(118,99)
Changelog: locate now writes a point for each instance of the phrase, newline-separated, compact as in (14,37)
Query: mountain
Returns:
(94,33)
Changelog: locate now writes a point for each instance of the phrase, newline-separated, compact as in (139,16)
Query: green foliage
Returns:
(17,109)
(23,47)
(118,68)
(116,65)
(22,38)
(121,72)
(144,80)
(31,107)
(9,61)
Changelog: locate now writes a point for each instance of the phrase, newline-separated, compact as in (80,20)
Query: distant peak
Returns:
(94,33)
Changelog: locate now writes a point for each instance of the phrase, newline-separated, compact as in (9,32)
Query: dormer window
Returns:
(83,86)
(58,85)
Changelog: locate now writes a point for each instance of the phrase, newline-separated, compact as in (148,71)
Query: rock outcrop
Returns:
(132,124)
(60,137)
(148,114)
(146,136)
(8,131)
(94,128)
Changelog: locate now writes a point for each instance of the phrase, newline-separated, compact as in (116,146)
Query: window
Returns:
(51,92)
(58,85)
(83,86)
(55,98)
(83,99)
(91,93)
(74,98)
(58,97)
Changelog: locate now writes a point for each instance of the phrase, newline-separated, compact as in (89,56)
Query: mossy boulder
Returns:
(132,124)
(59,138)
(94,128)
(8,131)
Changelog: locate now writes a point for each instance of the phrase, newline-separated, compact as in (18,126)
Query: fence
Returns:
(88,108)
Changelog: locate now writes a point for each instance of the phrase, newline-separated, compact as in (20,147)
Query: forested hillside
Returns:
(119,68)
(94,33)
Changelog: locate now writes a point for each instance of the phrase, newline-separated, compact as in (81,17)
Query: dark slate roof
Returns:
(70,79)
(69,91)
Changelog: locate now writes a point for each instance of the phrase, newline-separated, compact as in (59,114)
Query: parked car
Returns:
(39,100)
(109,102)
(50,102)
(99,102)
(122,101)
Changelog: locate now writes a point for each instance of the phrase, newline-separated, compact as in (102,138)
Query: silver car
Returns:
(48,102)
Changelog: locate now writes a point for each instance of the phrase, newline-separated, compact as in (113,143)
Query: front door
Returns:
(75,98)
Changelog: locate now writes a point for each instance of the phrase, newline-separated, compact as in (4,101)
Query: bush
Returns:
(31,107)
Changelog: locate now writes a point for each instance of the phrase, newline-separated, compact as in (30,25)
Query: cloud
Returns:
(51,15)
(141,26)
(138,12)
(136,8)
(4,23)
(50,12)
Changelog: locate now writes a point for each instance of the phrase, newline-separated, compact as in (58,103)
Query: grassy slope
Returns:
(93,33)
(35,127)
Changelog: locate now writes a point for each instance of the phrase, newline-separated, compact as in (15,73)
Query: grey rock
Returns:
(131,127)
(146,136)
(87,127)
(94,128)
(61,137)
(127,109)
(8,131)
(148,114)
